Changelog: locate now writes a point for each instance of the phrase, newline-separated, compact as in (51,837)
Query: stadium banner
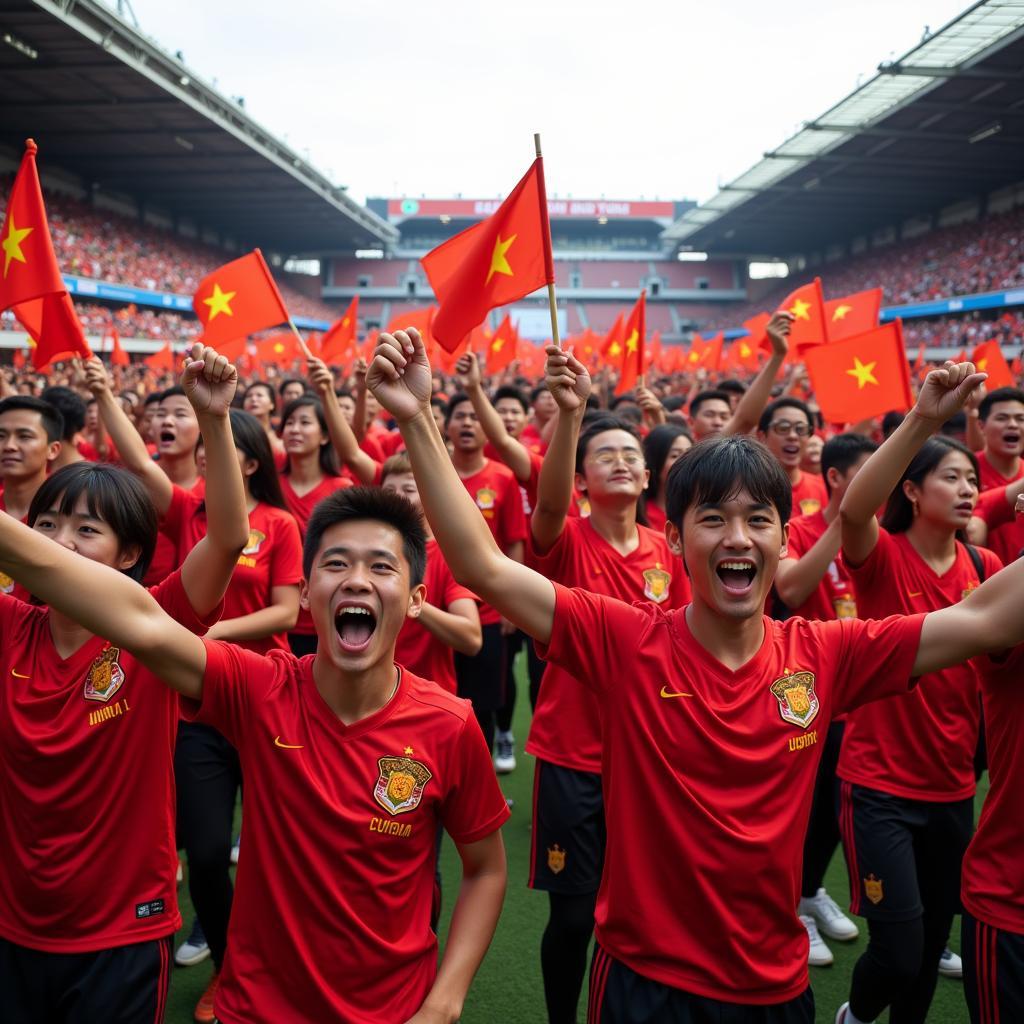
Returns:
(534,323)
(474,209)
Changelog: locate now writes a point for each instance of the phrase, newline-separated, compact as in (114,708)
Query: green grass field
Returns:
(508,988)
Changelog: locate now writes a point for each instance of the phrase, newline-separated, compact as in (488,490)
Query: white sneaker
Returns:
(234,849)
(950,965)
(841,1013)
(831,920)
(504,753)
(818,954)
(194,949)
(180,875)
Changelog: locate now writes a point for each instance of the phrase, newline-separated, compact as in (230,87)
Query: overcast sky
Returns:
(662,98)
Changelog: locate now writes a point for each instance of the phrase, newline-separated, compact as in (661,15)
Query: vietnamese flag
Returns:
(421,319)
(635,335)
(611,346)
(501,259)
(919,361)
(652,356)
(711,357)
(807,304)
(853,314)
(863,376)
(30,280)
(745,351)
(698,346)
(238,298)
(338,343)
(118,356)
(501,351)
(988,358)
(162,359)
(757,333)
(281,348)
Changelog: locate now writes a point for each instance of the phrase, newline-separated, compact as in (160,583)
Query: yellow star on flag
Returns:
(982,363)
(631,341)
(12,244)
(840,312)
(497,344)
(863,373)
(345,322)
(499,261)
(799,309)
(615,350)
(693,357)
(219,302)
(744,350)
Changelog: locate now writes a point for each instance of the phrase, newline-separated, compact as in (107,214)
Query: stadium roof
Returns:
(107,103)
(942,123)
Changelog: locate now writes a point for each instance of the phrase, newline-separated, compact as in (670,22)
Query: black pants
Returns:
(481,679)
(993,972)
(823,826)
(208,777)
(123,985)
(535,669)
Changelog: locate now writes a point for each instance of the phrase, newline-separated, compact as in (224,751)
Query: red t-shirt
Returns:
(708,776)
(1005,540)
(566,726)
(165,555)
(992,880)
(809,494)
(87,799)
(340,838)
(390,442)
(7,583)
(272,558)
(989,476)
(833,598)
(530,436)
(417,649)
(656,517)
(920,747)
(497,496)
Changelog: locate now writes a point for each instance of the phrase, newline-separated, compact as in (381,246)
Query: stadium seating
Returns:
(694,276)
(612,273)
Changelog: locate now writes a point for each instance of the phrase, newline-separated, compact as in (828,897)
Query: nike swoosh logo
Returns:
(18,675)
(286,746)
(916,593)
(665,692)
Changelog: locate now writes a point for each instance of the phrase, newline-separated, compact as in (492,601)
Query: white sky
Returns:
(661,98)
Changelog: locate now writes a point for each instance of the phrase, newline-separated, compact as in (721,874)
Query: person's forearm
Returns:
(257,625)
(510,451)
(755,398)
(227,521)
(345,443)
(359,416)
(455,631)
(132,450)
(554,486)
(798,580)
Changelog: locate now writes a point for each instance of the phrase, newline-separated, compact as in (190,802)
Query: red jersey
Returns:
(809,494)
(496,493)
(272,558)
(656,517)
(1005,529)
(708,776)
(833,598)
(390,442)
(341,827)
(165,555)
(989,476)
(992,883)
(87,801)
(530,437)
(920,747)
(417,649)
(566,726)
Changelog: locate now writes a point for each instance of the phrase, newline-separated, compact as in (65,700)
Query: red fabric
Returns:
(321,864)
(162,359)
(989,476)
(1005,530)
(490,264)
(338,344)
(706,786)
(566,727)
(853,314)
(118,356)
(250,300)
(809,494)
(282,348)
(921,746)
(992,884)
(989,358)
(87,804)
(833,597)
(807,304)
(634,336)
(501,351)
(417,649)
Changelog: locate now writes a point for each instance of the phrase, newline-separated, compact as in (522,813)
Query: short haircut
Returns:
(785,402)
(708,395)
(52,420)
(449,410)
(598,425)
(269,388)
(511,391)
(537,391)
(842,451)
(70,406)
(151,399)
(717,468)
(292,380)
(395,465)
(673,403)
(113,495)
(352,504)
(732,386)
(999,395)
(890,421)
(175,391)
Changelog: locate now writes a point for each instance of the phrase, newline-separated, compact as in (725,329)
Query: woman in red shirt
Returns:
(662,446)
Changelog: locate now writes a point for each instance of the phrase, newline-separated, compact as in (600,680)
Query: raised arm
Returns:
(944,393)
(569,383)
(797,578)
(342,437)
(755,398)
(400,378)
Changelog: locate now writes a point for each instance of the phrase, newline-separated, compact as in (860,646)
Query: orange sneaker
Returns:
(204,1008)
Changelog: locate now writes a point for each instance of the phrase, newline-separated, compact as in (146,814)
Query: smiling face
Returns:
(24,450)
(787,435)
(1003,429)
(947,495)
(175,427)
(86,534)
(613,468)
(301,432)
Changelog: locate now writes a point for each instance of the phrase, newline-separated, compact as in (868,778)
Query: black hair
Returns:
(113,495)
(437,402)
(899,512)
(292,380)
(70,406)
(537,391)
(999,395)
(706,396)
(732,386)
(842,451)
(627,399)
(717,468)
(785,402)
(449,410)
(52,420)
(955,426)
(657,445)
(357,503)
(511,391)
(328,456)
(890,421)
(176,390)
(269,388)
(251,440)
(598,425)
(673,403)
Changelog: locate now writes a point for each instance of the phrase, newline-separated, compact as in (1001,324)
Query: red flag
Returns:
(758,336)
(238,298)
(162,359)
(497,261)
(989,358)
(421,319)
(611,346)
(919,361)
(746,352)
(635,333)
(711,357)
(338,344)
(282,348)
(962,357)
(118,356)
(807,304)
(501,351)
(31,283)
(652,357)
(853,314)
(863,376)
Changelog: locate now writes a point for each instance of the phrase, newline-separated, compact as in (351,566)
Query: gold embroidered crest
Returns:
(556,859)
(400,784)
(656,584)
(873,889)
(105,676)
(798,703)
(256,538)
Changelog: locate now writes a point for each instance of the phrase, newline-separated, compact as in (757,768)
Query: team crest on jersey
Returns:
(105,676)
(656,584)
(798,703)
(845,607)
(256,538)
(556,859)
(401,783)
(873,889)
(485,499)
(808,506)
(970,589)
(6,583)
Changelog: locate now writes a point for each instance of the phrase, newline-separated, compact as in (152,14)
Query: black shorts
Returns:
(123,985)
(993,972)
(618,995)
(903,854)
(568,832)
(481,678)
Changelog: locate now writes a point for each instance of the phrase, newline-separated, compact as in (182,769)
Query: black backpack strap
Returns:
(977,560)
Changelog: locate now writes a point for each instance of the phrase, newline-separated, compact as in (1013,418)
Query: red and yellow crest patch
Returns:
(400,784)
(256,538)
(798,703)
(105,676)
(656,584)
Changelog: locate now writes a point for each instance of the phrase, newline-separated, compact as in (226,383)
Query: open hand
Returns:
(209,381)
(947,390)
(399,376)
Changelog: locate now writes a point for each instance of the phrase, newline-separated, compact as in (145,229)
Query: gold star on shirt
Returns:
(408,750)
(499,261)
(863,373)
(219,302)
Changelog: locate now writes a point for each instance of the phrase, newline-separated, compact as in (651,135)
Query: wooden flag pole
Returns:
(552,301)
(300,340)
